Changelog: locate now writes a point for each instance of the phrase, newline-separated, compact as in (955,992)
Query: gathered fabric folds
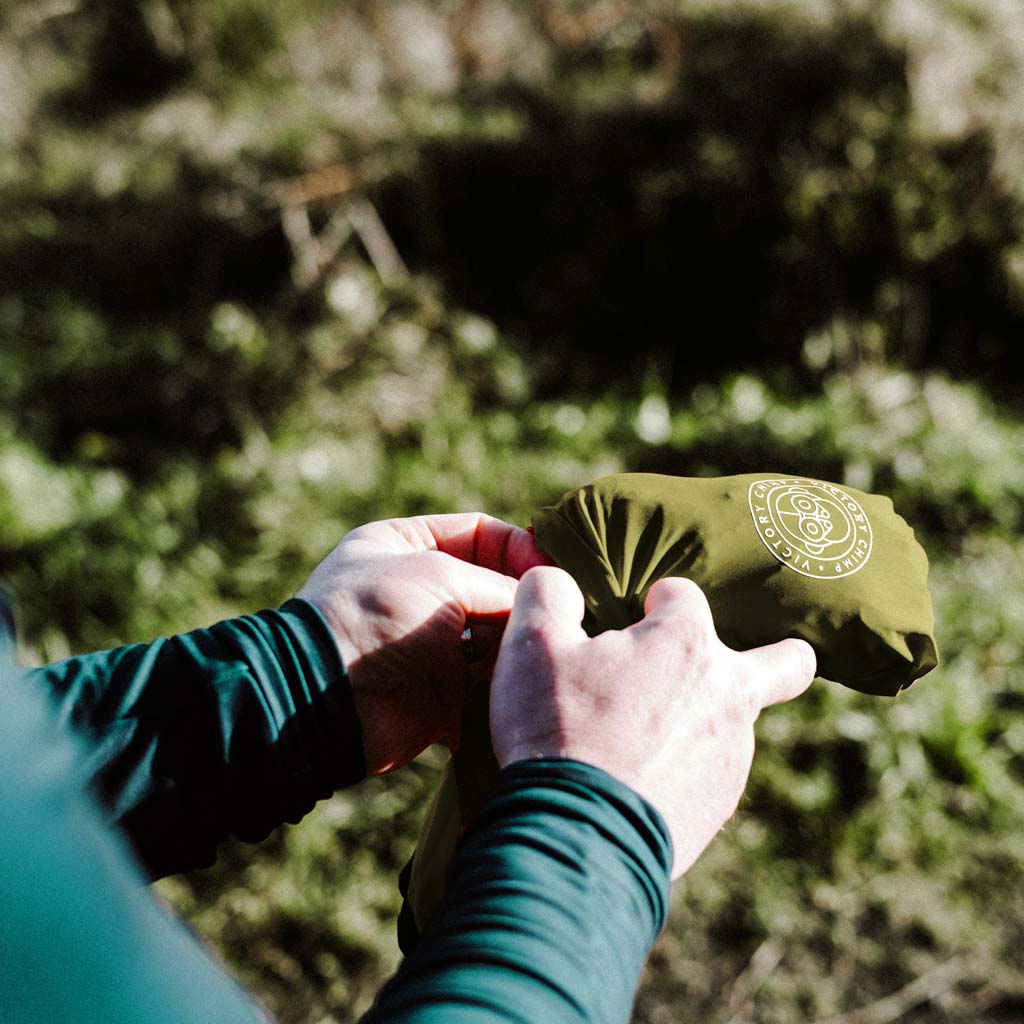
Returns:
(776,556)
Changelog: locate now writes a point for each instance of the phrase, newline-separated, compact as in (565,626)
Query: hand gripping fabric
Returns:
(776,556)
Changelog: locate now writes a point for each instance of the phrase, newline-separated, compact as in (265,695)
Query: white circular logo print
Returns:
(813,527)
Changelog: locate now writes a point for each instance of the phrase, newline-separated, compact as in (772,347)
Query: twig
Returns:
(312,255)
(379,247)
(765,959)
(931,985)
(316,186)
(334,236)
(336,186)
(304,246)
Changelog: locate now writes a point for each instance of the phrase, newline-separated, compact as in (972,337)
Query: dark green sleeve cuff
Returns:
(230,730)
(557,894)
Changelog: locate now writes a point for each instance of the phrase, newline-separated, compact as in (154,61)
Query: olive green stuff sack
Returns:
(776,557)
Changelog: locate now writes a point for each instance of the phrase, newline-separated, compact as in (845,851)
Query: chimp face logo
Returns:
(814,522)
(814,527)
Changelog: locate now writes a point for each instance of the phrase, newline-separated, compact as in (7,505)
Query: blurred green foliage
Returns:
(271,271)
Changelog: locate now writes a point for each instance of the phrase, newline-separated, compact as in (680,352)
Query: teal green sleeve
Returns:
(557,894)
(558,891)
(81,939)
(226,731)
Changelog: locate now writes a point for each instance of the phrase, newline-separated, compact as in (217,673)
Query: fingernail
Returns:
(809,659)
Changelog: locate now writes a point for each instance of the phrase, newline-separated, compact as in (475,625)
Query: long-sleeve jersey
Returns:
(556,894)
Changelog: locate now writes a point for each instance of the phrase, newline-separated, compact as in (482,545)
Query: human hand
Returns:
(664,706)
(397,595)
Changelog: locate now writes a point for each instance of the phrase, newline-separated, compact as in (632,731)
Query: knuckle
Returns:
(533,630)
(696,648)
(548,582)
(679,588)
(688,599)
(743,703)
(690,590)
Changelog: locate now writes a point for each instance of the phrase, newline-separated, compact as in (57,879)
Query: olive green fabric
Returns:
(776,556)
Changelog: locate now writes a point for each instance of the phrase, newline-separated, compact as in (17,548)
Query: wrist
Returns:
(553,780)
(336,618)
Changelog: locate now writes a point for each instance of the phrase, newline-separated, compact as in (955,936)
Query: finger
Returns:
(481,593)
(677,598)
(505,548)
(522,554)
(480,540)
(548,602)
(780,671)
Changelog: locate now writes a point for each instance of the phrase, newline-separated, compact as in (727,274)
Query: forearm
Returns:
(81,940)
(230,730)
(556,896)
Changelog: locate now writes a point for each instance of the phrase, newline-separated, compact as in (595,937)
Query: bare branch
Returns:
(304,246)
(765,959)
(928,987)
(379,246)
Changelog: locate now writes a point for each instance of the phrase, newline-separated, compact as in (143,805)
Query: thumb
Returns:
(548,601)
(780,671)
(676,597)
